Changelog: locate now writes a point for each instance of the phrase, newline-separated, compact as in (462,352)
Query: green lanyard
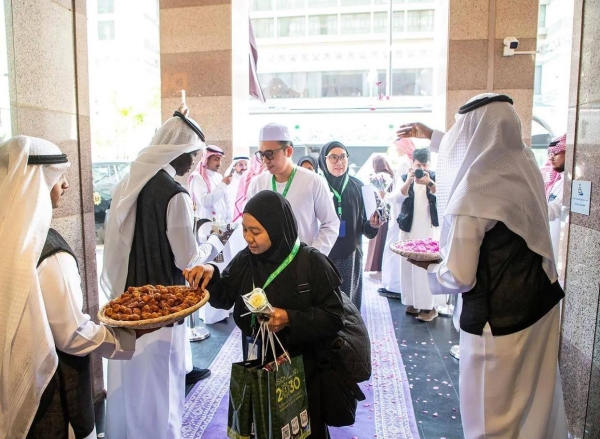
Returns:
(287,186)
(277,272)
(338,196)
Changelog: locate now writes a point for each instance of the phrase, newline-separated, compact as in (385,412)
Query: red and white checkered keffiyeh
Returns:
(557,146)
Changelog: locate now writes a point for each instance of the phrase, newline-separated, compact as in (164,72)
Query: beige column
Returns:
(476,65)
(580,240)
(50,99)
(204,49)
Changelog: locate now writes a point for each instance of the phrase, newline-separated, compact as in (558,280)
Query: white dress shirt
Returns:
(180,232)
(312,204)
(212,203)
(73,331)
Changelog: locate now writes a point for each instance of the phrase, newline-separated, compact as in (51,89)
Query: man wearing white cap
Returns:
(208,188)
(237,169)
(150,240)
(307,192)
(497,255)
(45,383)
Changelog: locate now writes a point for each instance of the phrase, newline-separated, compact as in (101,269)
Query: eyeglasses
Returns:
(336,158)
(268,154)
(554,154)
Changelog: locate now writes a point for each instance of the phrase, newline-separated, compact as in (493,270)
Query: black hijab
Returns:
(275,214)
(334,182)
(309,159)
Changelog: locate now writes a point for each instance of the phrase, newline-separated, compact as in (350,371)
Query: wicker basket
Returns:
(158,322)
(415,256)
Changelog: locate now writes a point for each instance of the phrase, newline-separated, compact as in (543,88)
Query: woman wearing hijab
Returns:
(350,206)
(309,163)
(301,320)
(377,245)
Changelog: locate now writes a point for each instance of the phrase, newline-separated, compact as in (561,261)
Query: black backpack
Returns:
(344,361)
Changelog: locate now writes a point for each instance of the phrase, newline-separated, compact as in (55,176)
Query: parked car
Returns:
(105,175)
(541,136)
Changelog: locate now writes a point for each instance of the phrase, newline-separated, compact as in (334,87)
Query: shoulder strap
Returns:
(302,261)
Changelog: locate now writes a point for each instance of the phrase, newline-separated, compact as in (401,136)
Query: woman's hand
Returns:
(278,320)
(199,276)
(375,221)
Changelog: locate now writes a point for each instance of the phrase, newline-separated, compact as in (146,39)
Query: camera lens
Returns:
(419,173)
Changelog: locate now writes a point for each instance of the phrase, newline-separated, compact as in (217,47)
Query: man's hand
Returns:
(227,179)
(375,221)
(411,175)
(183,109)
(425,180)
(278,320)
(422,264)
(199,276)
(414,129)
(140,332)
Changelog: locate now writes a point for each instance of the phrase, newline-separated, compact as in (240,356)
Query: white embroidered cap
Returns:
(276,132)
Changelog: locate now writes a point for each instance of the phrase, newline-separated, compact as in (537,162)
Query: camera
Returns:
(419,173)
(510,45)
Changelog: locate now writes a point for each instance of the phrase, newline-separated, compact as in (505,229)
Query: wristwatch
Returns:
(430,184)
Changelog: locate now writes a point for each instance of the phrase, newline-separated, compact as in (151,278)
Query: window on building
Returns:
(420,21)
(412,82)
(343,84)
(106,6)
(262,5)
(263,27)
(542,16)
(398,24)
(355,2)
(287,85)
(106,30)
(380,22)
(291,4)
(291,27)
(322,3)
(323,25)
(356,23)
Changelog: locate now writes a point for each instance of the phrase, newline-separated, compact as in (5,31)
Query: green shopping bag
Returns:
(280,402)
(241,387)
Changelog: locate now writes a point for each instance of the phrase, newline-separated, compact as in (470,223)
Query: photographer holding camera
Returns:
(418,219)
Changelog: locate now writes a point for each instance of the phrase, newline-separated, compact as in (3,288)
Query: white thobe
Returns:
(214,203)
(509,385)
(146,394)
(312,204)
(232,191)
(415,286)
(555,200)
(73,331)
(390,265)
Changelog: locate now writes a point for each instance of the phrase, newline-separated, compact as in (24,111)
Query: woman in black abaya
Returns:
(348,200)
(302,321)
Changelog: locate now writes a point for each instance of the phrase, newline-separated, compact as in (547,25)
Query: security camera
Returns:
(510,45)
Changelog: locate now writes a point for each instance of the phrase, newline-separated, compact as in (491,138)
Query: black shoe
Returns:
(196,375)
(387,293)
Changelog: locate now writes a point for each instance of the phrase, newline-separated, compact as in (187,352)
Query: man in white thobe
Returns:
(307,192)
(40,293)
(237,169)
(497,255)
(554,189)
(208,189)
(150,240)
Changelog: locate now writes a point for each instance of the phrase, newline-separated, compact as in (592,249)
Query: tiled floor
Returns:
(432,372)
